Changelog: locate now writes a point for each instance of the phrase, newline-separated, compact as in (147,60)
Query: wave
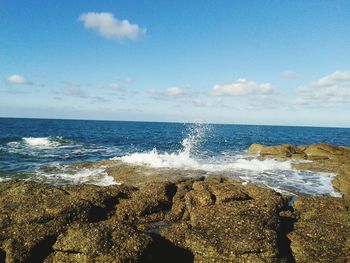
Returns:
(44,142)
(278,174)
(39,142)
(70,174)
(182,160)
(274,173)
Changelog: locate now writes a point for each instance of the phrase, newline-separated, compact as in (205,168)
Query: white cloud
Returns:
(18,80)
(290,74)
(173,91)
(328,91)
(169,92)
(242,87)
(110,27)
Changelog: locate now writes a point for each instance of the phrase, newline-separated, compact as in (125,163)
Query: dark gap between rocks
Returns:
(2,256)
(286,225)
(162,250)
(98,213)
(42,250)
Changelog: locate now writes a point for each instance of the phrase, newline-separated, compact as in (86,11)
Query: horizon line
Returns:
(177,122)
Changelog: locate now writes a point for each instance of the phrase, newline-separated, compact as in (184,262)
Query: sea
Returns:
(55,151)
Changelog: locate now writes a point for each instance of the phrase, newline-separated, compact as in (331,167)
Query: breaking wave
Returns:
(70,174)
(274,173)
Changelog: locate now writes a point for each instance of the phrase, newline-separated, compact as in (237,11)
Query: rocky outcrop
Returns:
(33,216)
(323,157)
(321,225)
(228,222)
(320,151)
(99,242)
(281,151)
(190,219)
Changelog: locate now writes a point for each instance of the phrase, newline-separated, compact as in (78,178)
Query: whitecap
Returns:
(41,142)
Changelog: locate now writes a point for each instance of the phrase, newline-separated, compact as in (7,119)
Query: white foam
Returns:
(97,176)
(42,142)
(2,179)
(183,160)
(274,173)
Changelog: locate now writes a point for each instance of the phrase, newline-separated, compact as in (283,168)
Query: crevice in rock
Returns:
(98,213)
(286,225)
(2,256)
(162,250)
(42,250)
(171,191)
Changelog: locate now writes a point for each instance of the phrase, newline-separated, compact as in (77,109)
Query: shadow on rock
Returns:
(162,250)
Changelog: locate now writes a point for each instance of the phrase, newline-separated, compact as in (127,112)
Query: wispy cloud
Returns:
(114,88)
(289,74)
(81,94)
(328,91)
(242,87)
(110,27)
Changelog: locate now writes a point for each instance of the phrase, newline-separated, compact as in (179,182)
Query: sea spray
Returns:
(181,159)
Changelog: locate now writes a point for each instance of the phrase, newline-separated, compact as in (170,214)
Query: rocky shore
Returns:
(178,218)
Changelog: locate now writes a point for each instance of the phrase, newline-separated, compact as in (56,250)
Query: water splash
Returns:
(196,135)
(184,158)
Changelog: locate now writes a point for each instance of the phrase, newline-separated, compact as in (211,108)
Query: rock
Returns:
(99,242)
(326,151)
(324,157)
(33,215)
(136,175)
(322,230)
(212,219)
(147,204)
(281,151)
(342,181)
(233,228)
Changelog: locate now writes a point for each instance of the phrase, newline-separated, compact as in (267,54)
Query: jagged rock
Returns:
(33,215)
(322,230)
(241,229)
(147,204)
(99,242)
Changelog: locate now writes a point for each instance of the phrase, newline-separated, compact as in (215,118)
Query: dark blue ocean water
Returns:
(27,145)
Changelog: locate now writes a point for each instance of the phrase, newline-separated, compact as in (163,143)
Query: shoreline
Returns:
(179,218)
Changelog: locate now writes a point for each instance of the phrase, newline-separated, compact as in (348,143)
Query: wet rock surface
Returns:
(321,157)
(177,219)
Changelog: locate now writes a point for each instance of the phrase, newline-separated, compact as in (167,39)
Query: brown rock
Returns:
(237,228)
(147,204)
(33,215)
(322,230)
(100,242)
(281,151)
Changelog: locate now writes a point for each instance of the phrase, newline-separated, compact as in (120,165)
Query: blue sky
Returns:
(254,62)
